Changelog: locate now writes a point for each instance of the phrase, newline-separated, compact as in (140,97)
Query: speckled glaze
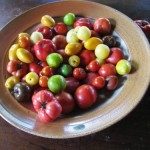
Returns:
(111,106)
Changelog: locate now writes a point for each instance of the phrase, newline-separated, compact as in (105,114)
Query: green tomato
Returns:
(123,67)
(65,70)
(54,60)
(69,19)
(56,83)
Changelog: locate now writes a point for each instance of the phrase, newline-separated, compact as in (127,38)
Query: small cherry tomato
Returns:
(74,60)
(98,82)
(24,55)
(47,21)
(102,26)
(85,96)
(93,66)
(123,67)
(79,73)
(24,42)
(107,70)
(86,57)
(47,71)
(73,48)
(60,28)
(83,22)
(69,19)
(115,55)
(90,77)
(112,82)
(43,81)
(48,33)
(66,101)
(65,70)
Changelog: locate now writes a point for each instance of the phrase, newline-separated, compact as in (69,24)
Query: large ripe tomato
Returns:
(66,101)
(45,103)
(85,96)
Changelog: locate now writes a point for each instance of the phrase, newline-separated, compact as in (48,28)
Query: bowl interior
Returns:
(111,106)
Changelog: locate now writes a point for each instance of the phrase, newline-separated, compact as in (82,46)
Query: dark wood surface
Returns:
(131,133)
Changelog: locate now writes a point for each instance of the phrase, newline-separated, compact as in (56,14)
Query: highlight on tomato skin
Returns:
(63,65)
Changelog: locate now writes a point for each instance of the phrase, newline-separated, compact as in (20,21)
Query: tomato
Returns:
(12,52)
(65,70)
(79,73)
(116,54)
(45,103)
(90,77)
(47,21)
(24,55)
(107,70)
(60,28)
(86,57)
(69,19)
(98,82)
(56,83)
(102,26)
(73,48)
(74,60)
(71,84)
(47,71)
(93,66)
(112,82)
(24,42)
(43,81)
(66,101)
(85,96)
(48,33)
(83,22)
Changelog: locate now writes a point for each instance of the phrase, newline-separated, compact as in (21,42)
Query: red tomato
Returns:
(47,71)
(60,28)
(102,26)
(71,84)
(116,54)
(66,101)
(83,22)
(45,103)
(43,81)
(79,73)
(90,77)
(98,82)
(107,70)
(51,112)
(85,96)
(48,33)
(86,57)
(93,66)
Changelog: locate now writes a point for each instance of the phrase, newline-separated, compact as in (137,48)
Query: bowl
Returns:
(111,106)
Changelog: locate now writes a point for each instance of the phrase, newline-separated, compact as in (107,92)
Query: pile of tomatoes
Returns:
(62,65)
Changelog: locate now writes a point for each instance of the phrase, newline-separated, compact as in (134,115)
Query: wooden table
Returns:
(131,133)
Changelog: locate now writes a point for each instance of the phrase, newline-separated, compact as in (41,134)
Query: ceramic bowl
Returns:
(111,106)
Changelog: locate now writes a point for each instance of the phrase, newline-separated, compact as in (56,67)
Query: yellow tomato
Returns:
(92,42)
(12,52)
(47,21)
(11,82)
(23,34)
(73,48)
(24,55)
